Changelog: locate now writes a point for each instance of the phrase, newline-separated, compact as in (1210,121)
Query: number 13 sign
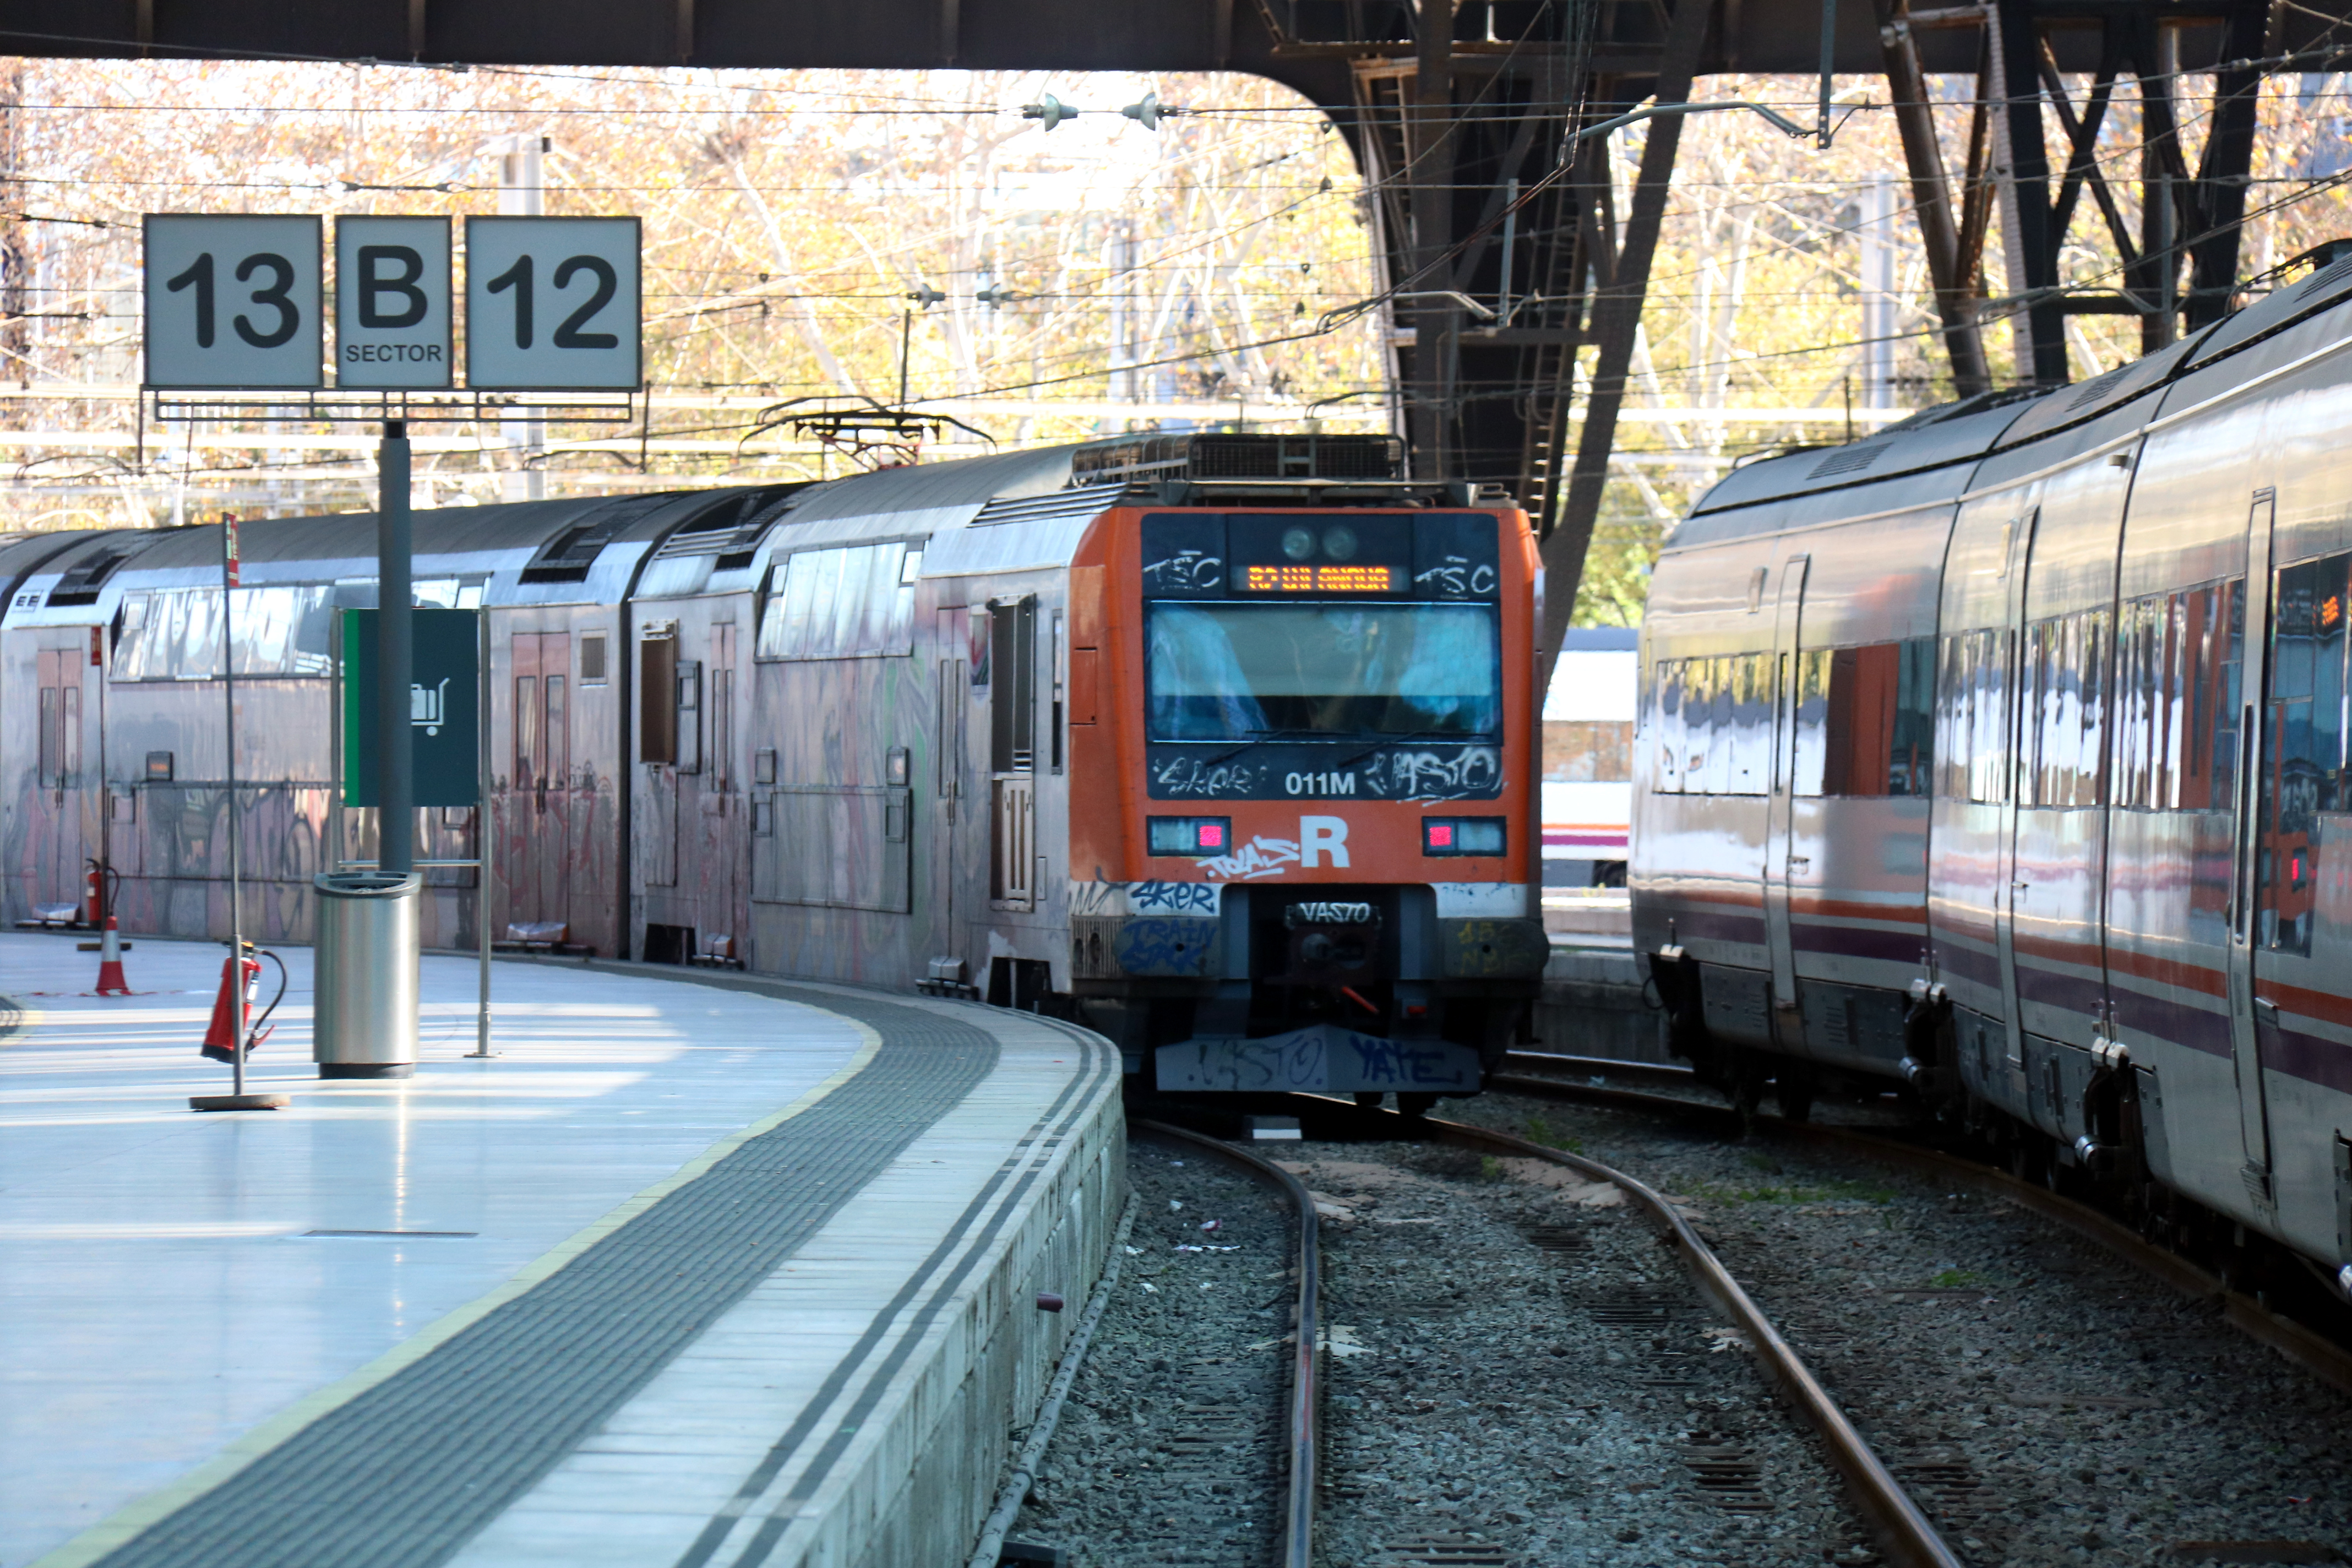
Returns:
(553,303)
(232,300)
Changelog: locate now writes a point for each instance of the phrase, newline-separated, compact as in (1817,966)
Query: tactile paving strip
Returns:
(400,1475)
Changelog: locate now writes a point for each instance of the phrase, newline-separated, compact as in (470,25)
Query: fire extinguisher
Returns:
(230,1018)
(100,882)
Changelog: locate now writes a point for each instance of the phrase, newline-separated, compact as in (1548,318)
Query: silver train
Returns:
(2004,754)
(1224,743)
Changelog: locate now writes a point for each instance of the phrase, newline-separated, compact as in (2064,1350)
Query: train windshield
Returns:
(1289,671)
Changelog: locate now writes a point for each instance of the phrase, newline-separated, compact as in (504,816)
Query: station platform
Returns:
(697,1269)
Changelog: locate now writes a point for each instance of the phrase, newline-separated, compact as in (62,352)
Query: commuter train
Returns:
(1224,744)
(2003,752)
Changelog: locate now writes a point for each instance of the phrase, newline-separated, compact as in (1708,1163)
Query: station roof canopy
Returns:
(1307,43)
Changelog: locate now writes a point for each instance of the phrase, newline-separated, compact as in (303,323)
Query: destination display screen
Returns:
(1322,579)
(1321,554)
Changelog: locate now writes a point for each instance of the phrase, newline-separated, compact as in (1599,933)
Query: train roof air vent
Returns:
(2091,391)
(567,557)
(2336,265)
(80,584)
(1238,456)
(729,530)
(1848,459)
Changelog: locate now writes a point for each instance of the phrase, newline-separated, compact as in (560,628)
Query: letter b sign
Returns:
(392,302)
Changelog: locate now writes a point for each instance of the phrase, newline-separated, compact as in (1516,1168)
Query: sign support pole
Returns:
(395,785)
(482,851)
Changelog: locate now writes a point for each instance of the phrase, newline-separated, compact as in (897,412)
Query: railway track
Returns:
(1904,1533)
(1542,1077)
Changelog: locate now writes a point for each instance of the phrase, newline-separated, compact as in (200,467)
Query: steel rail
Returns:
(1902,1527)
(2316,1353)
(1306,1385)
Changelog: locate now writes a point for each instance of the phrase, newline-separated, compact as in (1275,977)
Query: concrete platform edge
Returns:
(919,1482)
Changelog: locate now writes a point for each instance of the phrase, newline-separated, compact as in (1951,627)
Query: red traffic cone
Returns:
(221,1037)
(109,963)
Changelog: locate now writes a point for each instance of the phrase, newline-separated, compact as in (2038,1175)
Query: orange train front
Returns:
(1300,816)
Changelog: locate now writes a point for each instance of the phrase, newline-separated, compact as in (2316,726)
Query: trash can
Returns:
(366,981)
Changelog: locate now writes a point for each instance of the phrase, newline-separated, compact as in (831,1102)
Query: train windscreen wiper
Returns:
(1406,737)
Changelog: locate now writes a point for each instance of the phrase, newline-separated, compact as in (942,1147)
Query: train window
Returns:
(1714,725)
(175,634)
(1972,697)
(2177,659)
(1864,719)
(526,774)
(1013,706)
(2302,775)
(1240,672)
(1060,660)
(2063,733)
(1666,726)
(856,602)
(1587,751)
(657,699)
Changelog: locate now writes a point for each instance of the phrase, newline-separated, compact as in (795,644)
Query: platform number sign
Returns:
(553,303)
(392,302)
(233,300)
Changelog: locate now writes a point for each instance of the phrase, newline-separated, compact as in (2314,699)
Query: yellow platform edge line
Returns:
(132,1519)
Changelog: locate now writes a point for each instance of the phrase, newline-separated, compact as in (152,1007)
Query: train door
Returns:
(66,818)
(2016,557)
(1778,862)
(724,855)
(2255,885)
(656,830)
(1013,755)
(954,691)
(543,786)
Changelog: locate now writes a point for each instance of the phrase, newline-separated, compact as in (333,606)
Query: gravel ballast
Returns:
(2045,1401)
(1516,1373)
(1171,1446)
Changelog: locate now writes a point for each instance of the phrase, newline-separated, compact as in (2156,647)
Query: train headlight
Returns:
(1462,835)
(1189,835)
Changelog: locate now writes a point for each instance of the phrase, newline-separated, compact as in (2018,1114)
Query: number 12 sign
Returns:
(232,300)
(552,304)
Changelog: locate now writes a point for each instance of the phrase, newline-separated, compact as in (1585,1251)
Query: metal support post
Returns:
(1875,232)
(2160,225)
(482,854)
(395,784)
(2021,165)
(1616,319)
(1430,176)
(1951,269)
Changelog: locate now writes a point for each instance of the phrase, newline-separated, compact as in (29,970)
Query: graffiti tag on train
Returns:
(1255,860)
(1142,897)
(1186,572)
(1178,776)
(1457,576)
(1429,773)
(1172,897)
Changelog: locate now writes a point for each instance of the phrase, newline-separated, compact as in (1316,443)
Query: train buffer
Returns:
(698,1267)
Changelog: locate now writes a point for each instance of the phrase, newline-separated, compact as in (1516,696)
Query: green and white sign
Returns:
(444,707)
